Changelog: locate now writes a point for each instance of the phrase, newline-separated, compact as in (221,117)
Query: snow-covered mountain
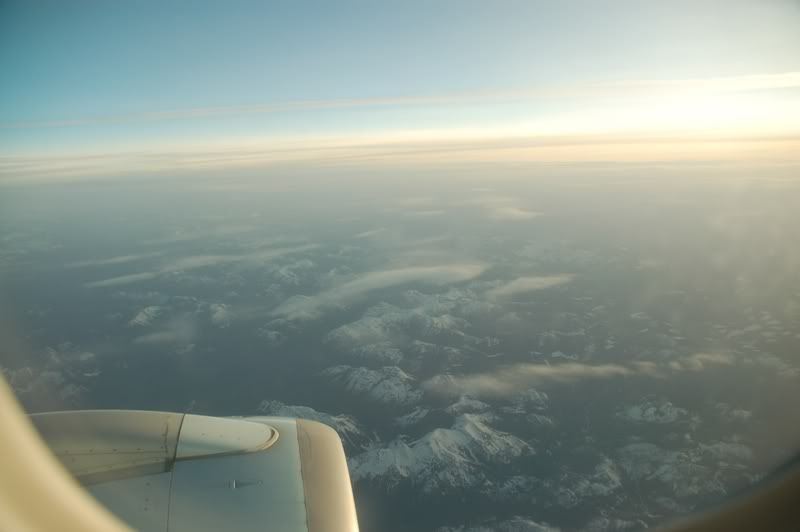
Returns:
(573,488)
(411,418)
(654,410)
(466,404)
(531,400)
(380,354)
(700,469)
(570,489)
(221,315)
(353,434)
(384,322)
(515,524)
(443,459)
(387,385)
(146,316)
(377,326)
(429,325)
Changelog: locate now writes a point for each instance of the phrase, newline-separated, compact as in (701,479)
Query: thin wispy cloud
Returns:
(497,207)
(443,149)
(123,280)
(711,85)
(716,84)
(180,331)
(308,307)
(193,262)
(370,233)
(123,259)
(524,285)
(183,235)
(249,110)
(510,213)
(425,213)
(507,381)
(700,361)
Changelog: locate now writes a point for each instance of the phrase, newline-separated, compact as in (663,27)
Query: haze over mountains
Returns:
(570,353)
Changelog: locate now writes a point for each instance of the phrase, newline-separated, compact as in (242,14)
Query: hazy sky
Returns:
(97,78)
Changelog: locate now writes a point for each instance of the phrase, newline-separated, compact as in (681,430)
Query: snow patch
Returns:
(699,470)
(221,315)
(351,432)
(731,413)
(412,418)
(515,524)
(146,316)
(466,404)
(382,354)
(654,410)
(388,385)
(442,460)
(273,338)
(603,481)
(527,401)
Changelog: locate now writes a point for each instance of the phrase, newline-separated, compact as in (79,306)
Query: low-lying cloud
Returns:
(199,261)
(311,306)
(508,381)
(123,259)
(510,213)
(178,332)
(370,233)
(528,284)
(123,279)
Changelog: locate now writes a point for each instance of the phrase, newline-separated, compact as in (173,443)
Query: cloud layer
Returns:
(528,284)
(300,307)
(508,381)
(509,213)
(199,261)
(180,331)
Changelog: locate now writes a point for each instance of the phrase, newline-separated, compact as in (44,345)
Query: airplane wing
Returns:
(162,471)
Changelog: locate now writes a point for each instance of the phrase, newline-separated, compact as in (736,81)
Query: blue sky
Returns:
(94,77)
